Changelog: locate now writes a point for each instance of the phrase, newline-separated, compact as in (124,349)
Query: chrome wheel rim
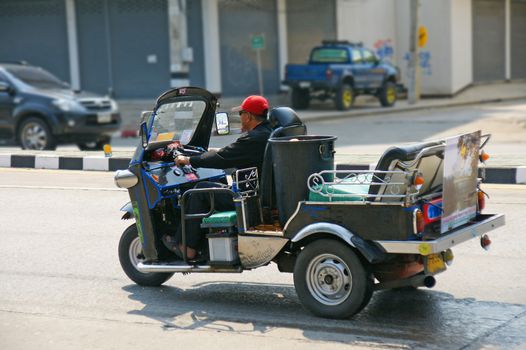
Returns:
(34,136)
(134,252)
(329,279)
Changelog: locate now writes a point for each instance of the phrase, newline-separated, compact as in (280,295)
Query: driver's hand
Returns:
(182,160)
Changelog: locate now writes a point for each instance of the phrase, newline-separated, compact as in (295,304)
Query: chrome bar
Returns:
(185,268)
(455,237)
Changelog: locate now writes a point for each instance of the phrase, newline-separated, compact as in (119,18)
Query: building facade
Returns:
(139,48)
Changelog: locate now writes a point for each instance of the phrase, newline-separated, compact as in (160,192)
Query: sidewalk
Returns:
(508,167)
(364,105)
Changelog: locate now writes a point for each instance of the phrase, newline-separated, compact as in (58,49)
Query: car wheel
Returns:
(300,98)
(35,134)
(344,97)
(330,279)
(388,94)
(130,254)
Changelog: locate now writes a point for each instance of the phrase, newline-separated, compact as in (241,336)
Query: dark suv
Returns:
(40,111)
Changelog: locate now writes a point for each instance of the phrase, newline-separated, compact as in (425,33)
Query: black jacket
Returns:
(246,152)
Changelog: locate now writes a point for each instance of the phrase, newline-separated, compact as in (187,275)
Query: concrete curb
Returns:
(97,163)
(495,175)
(394,110)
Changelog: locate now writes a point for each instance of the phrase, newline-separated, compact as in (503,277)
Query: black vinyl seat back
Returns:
(430,165)
(285,122)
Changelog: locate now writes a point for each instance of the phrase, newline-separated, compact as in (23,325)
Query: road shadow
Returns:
(407,318)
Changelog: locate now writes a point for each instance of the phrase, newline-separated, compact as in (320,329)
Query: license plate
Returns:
(434,264)
(104,118)
(304,84)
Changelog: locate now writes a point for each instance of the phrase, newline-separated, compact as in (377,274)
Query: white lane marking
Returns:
(64,188)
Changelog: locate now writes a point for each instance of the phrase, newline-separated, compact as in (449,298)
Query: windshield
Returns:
(36,77)
(325,55)
(176,121)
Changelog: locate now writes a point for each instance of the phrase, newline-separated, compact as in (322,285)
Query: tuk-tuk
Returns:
(342,233)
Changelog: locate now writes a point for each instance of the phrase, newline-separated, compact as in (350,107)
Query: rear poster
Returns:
(461,159)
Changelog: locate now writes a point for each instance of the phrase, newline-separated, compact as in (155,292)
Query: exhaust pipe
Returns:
(430,281)
(415,281)
(185,268)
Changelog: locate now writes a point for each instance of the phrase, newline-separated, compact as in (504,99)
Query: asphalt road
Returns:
(62,287)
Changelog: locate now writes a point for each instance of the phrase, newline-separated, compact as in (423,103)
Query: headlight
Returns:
(66,105)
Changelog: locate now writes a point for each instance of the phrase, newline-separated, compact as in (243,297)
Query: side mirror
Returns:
(5,87)
(144,134)
(222,125)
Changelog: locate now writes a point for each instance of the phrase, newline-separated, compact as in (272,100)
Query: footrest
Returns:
(220,219)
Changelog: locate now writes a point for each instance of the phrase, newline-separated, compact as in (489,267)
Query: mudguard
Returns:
(128,209)
(368,250)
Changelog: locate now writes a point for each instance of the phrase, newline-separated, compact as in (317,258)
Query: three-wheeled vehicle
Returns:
(343,234)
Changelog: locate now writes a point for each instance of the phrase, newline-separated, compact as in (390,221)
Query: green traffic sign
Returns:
(258,42)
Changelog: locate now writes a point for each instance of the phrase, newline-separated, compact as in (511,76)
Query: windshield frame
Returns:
(168,136)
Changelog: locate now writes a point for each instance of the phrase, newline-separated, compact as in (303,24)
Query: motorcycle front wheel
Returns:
(130,254)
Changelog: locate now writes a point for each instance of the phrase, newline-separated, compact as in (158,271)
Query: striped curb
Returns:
(96,163)
(495,175)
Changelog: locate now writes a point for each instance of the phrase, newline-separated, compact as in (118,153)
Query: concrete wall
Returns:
(435,57)
(461,44)
(446,60)
(372,22)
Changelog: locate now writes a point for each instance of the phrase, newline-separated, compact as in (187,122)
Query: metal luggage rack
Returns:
(393,184)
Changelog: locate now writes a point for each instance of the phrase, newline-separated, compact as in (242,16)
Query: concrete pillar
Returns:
(73,49)
(282,39)
(180,54)
(211,46)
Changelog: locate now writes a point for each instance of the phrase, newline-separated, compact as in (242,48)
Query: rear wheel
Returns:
(344,97)
(35,134)
(387,94)
(330,280)
(300,98)
(130,254)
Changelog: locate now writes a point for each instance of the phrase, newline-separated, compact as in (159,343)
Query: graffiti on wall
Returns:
(424,57)
(384,50)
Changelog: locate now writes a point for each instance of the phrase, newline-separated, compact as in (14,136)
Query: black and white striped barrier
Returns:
(499,175)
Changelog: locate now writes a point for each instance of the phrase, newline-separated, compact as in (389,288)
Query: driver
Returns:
(246,152)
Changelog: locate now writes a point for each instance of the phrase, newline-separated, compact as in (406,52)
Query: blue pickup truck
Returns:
(341,70)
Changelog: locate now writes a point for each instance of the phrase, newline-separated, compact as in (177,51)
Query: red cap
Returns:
(254,104)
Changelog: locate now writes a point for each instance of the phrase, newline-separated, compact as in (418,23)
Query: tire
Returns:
(344,98)
(35,134)
(327,296)
(300,98)
(129,249)
(94,145)
(387,95)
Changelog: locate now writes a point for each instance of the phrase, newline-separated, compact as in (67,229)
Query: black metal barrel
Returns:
(294,159)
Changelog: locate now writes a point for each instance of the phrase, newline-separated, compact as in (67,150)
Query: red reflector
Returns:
(481,200)
(485,242)
(420,223)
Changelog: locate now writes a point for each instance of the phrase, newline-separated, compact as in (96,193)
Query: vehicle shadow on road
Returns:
(418,318)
